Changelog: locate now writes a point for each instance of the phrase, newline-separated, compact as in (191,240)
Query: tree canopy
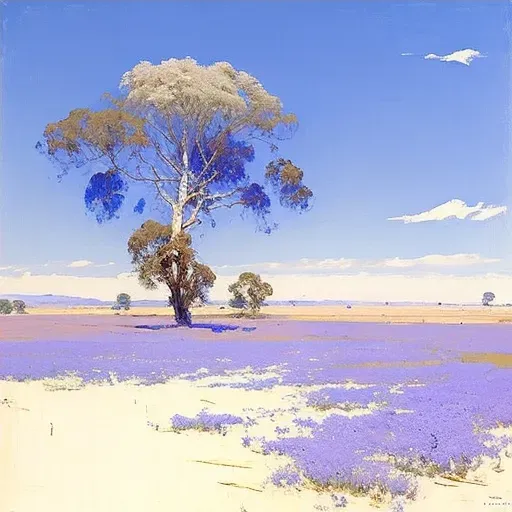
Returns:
(124,301)
(6,307)
(487,298)
(187,131)
(249,292)
(19,306)
(160,258)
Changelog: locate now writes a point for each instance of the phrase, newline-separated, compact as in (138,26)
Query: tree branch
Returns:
(234,203)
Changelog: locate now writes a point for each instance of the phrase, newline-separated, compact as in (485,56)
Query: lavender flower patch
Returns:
(305,425)
(306,422)
(253,384)
(286,476)
(345,399)
(362,454)
(345,468)
(156,360)
(452,410)
(205,422)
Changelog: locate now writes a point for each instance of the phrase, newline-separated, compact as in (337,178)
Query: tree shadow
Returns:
(212,327)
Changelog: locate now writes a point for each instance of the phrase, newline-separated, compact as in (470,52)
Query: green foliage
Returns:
(124,301)
(160,258)
(6,307)
(249,292)
(19,306)
(488,298)
(238,302)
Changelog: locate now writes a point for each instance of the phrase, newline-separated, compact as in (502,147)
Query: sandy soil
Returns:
(392,314)
(90,450)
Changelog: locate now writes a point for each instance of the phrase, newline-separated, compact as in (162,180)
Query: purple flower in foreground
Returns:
(205,421)
(435,432)
(339,501)
(329,398)
(246,441)
(286,476)
(250,422)
(397,506)
(305,422)
(281,430)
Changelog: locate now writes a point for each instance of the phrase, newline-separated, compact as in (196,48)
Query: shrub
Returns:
(19,306)
(249,292)
(124,301)
(6,307)
(487,298)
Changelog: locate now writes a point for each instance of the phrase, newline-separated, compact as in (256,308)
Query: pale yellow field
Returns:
(386,314)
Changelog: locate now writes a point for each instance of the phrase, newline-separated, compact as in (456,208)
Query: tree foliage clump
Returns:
(160,258)
(487,298)
(19,306)
(6,307)
(249,292)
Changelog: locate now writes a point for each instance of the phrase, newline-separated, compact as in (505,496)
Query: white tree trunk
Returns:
(178,210)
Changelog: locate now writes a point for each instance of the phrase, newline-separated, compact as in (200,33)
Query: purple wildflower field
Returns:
(432,410)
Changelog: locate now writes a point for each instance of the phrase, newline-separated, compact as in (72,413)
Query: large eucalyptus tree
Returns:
(187,131)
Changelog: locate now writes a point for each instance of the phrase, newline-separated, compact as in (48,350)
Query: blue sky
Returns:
(381,134)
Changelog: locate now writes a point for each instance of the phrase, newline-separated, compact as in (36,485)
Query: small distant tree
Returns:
(124,301)
(19,307)
(488,298)
(249,292)
(5,307)
(160,258)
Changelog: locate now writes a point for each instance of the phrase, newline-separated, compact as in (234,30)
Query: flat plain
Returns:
(305,409)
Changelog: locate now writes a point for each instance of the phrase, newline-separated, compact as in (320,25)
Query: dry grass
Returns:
(380,314)
(498,359)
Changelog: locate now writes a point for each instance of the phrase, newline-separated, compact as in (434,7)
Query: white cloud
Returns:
(454,208)
(13,269)
(462,56)
(455,260)
(302,264)
(80,264)
(359,287)
(406,54)
(332,265)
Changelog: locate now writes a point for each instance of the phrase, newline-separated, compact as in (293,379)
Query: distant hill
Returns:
(64,301)
(149,303)
(55,300)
